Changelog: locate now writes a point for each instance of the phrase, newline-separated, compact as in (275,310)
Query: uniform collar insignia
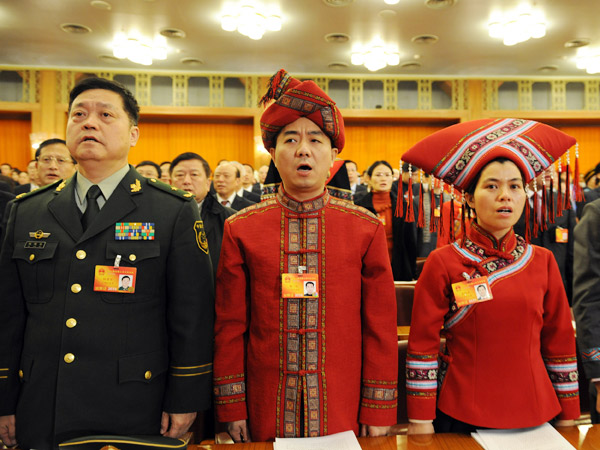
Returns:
(39,234)
(136,187)
(61,186)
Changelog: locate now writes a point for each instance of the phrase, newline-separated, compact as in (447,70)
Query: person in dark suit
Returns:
(77,357)
(33,178)
(190,172)
(5,197)
(358,189)
(226,180)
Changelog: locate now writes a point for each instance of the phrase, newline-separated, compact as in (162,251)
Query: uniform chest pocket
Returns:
(145,257)
(36,263)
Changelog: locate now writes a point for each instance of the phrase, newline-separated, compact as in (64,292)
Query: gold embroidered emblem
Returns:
(61,186)
(137,187)
(174,188)
(39,234)
(187,195)
(201,236)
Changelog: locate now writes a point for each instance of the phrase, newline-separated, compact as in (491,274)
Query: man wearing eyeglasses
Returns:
(54,162)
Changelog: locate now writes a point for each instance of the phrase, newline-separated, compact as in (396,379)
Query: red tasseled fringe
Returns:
(559,201)
(463,226)
(399,212)
(452,236)
(527,220)
(551,202)
(578,189)
(410,213)
(433,225)
(421,217)
(568,191)
(535,214)
(272,88)
(543,224)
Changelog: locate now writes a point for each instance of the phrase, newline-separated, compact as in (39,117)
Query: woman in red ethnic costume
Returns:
(509,359)
(289,364)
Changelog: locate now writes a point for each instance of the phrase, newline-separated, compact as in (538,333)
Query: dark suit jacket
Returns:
(22,188)
(213,215)
(251,196)
(404,252)
(5,197)
(128,357)
(257,189)
(361,190)
(240,203)
(563,252)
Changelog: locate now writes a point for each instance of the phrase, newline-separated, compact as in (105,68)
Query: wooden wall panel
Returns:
(164,140)
(15,145)
(366,143)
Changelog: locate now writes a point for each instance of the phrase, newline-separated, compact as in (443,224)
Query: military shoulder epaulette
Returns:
(170,189)
(25,195)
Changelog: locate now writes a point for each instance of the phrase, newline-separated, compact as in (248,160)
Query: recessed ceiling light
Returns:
(338,66)
(425,39)
(174,33)
(439,4)
(109,58)
(410,65)
(75,28)
(100,4)
(337,3)
(337,38)
(549,68)
(191,61)
(576,43)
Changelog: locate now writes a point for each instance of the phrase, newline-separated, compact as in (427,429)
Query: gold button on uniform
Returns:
(80,254)
(20,374)
(132,257)
(76,288)
(71,323)
(148,375)
(69,358)
(31,257)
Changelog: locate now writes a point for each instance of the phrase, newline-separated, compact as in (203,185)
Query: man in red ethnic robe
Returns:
(286,364)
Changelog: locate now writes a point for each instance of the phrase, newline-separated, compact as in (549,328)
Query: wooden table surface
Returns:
(583,437)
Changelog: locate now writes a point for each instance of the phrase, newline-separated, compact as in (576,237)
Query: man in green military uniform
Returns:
(78,356)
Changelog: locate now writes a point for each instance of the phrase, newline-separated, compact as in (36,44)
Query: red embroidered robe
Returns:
(308,366)
(509,362)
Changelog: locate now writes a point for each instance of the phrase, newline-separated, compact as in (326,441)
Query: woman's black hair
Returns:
(378,163)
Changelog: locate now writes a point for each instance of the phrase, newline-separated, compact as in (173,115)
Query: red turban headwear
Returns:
(295,99)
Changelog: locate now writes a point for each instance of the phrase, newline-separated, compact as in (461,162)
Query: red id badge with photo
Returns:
(475,290)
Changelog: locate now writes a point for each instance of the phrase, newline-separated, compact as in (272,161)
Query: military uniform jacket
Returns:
(305,366)
(509,362)
(76,361)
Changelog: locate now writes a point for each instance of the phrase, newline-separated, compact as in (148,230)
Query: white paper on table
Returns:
(345,440)
(544,437)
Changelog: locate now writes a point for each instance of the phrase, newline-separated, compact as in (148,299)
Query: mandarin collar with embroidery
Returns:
(308,206)
(486,240)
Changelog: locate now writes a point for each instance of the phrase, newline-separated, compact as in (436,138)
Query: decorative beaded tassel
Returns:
(551,202)
(420,208)
(543,224)
(568,187)
(399,212)
(559,198)
(433,225)
(463,221)
(527,216)
(452,236)
(410,212)
(579,197)
(536,210)
(441,221)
